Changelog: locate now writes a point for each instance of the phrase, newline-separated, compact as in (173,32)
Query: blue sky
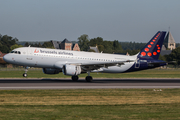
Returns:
(123,20)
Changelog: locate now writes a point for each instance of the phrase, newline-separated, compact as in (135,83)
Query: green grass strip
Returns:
(90,104)
(154,73)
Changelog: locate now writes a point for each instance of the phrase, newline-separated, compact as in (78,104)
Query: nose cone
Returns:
(6,58)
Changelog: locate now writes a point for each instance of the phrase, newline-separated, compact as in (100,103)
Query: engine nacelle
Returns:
(71,70)
(50,71)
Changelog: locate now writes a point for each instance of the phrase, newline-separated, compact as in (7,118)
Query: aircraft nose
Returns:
(6,58)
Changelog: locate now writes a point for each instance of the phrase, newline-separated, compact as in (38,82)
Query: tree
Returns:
(48,45)
(4,49)
(39,45)
(117,47)
(108,45)
(26,44)
(6,42)
(134,52)
(100,48)
(15,46)
(132,45)
(162,57)
(91,50)
(96,41)
(83,42)
(174,56)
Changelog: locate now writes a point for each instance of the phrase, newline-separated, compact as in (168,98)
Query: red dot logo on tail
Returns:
(149,46)
(154,53)
(146,49)
(143,53)
(149,54)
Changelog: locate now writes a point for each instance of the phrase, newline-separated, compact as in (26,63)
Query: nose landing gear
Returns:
(25,75)
(26,70)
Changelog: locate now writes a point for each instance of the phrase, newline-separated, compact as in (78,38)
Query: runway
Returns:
(82,84)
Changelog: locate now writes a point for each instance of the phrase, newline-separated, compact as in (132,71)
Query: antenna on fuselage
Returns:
(29,46)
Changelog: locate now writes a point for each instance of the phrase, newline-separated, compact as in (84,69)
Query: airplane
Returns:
(74,63)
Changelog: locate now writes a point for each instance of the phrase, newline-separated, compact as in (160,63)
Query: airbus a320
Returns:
(74,63)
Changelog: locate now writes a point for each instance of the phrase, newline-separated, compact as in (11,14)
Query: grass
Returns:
(90,104)
(88,97)
(154,73)
(77,112)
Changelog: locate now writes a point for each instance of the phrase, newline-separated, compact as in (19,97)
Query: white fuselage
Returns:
(56,58)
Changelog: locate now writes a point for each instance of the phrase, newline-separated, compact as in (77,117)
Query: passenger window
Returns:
(19,52)
(15,52)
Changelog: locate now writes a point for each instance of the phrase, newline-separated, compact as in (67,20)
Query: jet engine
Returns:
(50,71)
(71,70)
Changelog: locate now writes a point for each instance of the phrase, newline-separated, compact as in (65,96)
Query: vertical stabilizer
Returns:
(153,47)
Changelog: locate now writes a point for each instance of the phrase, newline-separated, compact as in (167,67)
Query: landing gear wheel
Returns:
(25,75)
(26,69)
(89,79)
(75,78)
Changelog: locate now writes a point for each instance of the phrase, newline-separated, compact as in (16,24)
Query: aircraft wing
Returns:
(95,66)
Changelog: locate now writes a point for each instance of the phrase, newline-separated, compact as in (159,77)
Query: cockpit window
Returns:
(16,52)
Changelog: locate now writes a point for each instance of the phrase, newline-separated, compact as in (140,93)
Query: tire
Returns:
(75,78)
(89,79)
(25,75)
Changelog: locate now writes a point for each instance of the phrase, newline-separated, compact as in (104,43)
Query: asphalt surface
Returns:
(82,84)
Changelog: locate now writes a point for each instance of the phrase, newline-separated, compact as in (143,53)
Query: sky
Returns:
(122,20)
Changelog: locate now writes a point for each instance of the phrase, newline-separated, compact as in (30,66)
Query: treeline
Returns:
(44,45)
(109,46)
(103,45)
(8,43)
(132,45)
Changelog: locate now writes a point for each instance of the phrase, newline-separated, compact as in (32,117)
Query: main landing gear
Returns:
(75,78)
(88,78)
(26,70)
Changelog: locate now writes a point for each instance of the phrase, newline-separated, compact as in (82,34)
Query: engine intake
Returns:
(71,70)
